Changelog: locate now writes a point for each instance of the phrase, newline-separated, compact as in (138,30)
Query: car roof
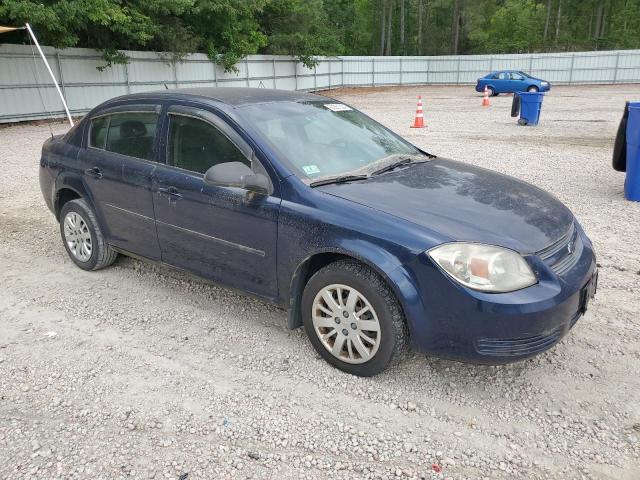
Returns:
(232,96)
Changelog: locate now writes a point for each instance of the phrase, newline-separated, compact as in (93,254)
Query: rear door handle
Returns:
(171,192)
(93,172)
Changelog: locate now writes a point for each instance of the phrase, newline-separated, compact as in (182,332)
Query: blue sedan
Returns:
(372,244)
(511,81)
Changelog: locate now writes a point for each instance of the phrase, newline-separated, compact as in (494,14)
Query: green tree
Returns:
(515,27)
(300,28)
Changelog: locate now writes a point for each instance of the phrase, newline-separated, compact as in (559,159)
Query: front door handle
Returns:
(93,172)
(171,192)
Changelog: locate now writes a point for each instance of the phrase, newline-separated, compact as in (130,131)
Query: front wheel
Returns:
(353,319)
(532,89)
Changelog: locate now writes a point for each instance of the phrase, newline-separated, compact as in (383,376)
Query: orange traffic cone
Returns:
(419,121)
(485,99)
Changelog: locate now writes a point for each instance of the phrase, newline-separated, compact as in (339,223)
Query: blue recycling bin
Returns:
(530,106)
(632,180)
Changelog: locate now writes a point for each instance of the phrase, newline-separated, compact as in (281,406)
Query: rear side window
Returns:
(131,133)
(196,145)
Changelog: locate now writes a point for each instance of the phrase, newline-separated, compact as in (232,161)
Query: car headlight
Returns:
(544,83)
(484,267)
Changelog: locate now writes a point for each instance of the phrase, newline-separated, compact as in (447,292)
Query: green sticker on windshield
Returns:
(310,169)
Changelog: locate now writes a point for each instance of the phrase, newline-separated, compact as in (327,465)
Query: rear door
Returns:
(118,162)
(226,234)
(502,80)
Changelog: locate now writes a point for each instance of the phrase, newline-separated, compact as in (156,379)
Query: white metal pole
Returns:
(55,82)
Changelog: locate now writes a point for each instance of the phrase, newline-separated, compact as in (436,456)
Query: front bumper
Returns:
(472,326)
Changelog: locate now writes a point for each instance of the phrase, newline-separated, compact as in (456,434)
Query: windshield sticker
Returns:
(337,107)
(310,169)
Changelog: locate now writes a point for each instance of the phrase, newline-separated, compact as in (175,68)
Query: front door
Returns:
(222,233)
(118,165)
(518,83)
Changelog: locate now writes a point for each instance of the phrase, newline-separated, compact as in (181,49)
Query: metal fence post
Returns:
(329,65)
(615,71)
(273,60)
(458,72)
(531,63)
(295,73)
(427,71)
(246,67)
(215,74)
(60,74)
(401,71)
(175,73)
(573,59)
(126,75)
(342,71)
(373,71)
(315,78)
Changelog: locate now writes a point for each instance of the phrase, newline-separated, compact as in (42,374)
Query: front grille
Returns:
(564,253)
(516,347)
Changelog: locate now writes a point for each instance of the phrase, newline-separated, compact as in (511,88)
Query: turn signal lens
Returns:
(484,267)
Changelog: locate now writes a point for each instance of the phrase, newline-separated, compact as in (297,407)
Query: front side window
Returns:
(130,133)
(516,76)
(196,145)
(319,139)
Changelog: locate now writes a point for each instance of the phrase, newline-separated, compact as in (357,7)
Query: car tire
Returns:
(492,92)
(354,323)
(532,89)
(82,238)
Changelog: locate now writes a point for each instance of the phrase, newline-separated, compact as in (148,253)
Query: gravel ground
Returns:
(138,371)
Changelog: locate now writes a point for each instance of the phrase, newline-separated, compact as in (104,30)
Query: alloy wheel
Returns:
(346,323)
(77,236)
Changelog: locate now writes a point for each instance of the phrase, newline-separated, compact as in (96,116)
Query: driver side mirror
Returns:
(236,174)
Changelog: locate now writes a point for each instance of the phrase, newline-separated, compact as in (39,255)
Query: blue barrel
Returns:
(530,106)
(632,180)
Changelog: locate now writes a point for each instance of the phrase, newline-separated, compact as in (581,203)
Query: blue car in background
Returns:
(369,242)
(511,81)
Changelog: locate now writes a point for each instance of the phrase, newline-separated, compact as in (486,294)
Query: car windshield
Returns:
(321,140)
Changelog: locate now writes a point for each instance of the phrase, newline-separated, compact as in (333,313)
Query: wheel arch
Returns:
(69,187)
(314,262)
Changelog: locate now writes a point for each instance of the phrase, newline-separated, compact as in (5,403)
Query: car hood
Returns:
(460,202)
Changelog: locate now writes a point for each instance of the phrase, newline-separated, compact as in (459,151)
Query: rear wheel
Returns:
(532,89)
(82,237)
(353,319)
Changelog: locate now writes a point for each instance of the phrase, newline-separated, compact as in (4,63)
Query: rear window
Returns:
(130,133)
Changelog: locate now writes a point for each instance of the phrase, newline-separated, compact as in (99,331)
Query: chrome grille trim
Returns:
(558,245)
(558,257)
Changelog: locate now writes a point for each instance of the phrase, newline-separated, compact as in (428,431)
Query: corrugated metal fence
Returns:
(26,91)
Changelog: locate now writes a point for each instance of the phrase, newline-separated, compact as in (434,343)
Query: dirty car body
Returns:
(270,241)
